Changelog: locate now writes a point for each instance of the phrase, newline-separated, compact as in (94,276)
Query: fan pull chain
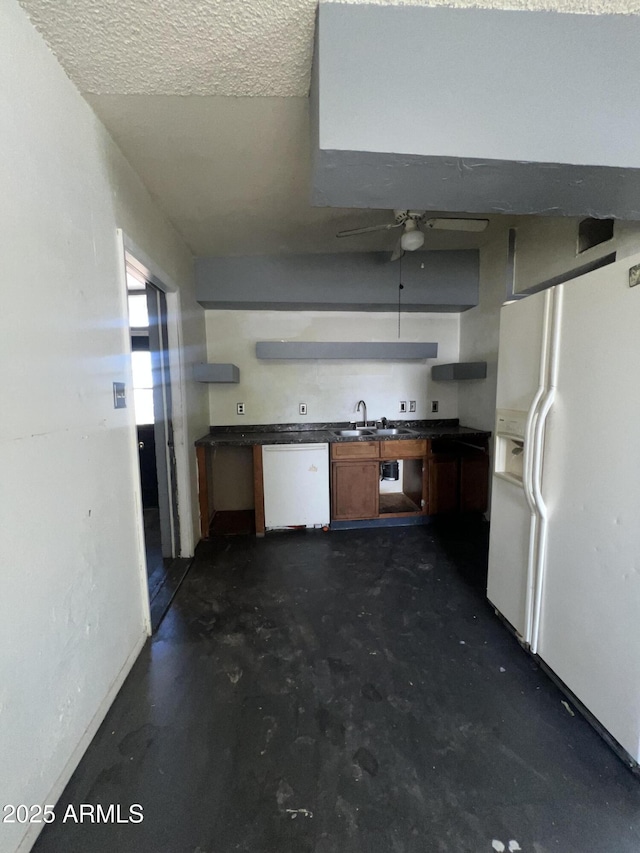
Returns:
(400,289)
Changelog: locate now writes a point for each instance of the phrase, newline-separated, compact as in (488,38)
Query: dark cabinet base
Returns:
(474,483)
(443,484)
(458,478)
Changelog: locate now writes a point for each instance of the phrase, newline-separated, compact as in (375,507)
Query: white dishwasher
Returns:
(296,485)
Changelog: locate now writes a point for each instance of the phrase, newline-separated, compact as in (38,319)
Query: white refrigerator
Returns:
(564,551)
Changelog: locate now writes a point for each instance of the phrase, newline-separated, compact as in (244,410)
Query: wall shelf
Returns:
(226,373)
(459,370)
(392,351)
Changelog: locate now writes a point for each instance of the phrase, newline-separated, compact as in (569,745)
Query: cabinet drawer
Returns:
(405,449)
(355,450)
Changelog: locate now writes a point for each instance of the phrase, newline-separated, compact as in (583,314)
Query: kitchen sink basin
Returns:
(353,433)
(356,433)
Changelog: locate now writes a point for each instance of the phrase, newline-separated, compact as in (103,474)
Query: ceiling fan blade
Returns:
(369,229)
(398,252)
(455,224)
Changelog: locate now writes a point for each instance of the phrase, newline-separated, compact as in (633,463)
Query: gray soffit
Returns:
(225,373)
(370,351)
(476,186)
(432,281)
(515,112)
(459,370)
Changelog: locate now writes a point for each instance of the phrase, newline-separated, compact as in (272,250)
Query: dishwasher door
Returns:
(296,485)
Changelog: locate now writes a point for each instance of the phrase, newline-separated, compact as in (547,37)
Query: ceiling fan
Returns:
(412,237)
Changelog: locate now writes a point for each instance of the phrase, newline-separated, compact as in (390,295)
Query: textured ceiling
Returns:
(207,100)
(212,47)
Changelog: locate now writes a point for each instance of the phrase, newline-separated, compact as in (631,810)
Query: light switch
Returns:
(119,396)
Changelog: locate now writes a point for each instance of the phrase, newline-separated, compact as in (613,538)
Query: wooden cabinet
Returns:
(443,484)
(354,489)
(355,479)
(458,477)
(474,482)
(435,476)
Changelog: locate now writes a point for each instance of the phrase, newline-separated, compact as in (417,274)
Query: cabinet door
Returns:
(354,490)
(474,483)
(443,484)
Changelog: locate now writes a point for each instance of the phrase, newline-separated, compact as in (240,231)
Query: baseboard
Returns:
(395,521)
(34,829)
(168,589)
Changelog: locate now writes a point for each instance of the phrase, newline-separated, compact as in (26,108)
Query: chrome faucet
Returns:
(364,411)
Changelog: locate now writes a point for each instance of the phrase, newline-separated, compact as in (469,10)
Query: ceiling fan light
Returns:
(412,237)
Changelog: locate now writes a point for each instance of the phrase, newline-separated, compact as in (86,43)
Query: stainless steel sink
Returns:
(391,431)
(353,433)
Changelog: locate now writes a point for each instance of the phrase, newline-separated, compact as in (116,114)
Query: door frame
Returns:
(166,470)
(132,254)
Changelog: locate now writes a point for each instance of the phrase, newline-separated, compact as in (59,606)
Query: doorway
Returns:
(152,399)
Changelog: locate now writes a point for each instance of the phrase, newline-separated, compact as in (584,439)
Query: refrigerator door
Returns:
(509,540)
(590,592)
(296,485)
(522,327)
(521,383)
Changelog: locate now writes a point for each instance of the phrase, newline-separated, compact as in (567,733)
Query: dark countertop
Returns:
(325,433)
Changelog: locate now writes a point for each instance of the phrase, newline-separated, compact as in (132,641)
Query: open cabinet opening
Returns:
(400,488)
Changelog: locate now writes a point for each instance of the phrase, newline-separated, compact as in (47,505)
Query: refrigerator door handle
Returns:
(539,436)
(533,417)
(532,457)
(527,487)
(538,441)
(528,460)
(542,527)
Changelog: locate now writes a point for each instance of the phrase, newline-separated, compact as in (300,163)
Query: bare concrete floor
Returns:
(345,692)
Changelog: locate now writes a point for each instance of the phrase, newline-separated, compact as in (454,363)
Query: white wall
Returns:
(72,614)
(479,336)
(272,391)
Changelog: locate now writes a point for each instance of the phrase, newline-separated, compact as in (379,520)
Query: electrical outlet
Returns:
(403,406)
(240,408)
(302,408)
(412,405)
(434,406)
